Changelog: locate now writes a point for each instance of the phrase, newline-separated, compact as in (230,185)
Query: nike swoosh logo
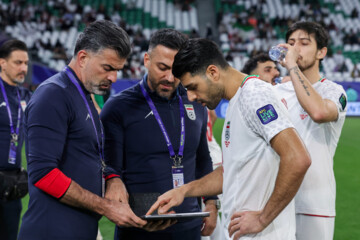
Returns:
(3,104)
(149,114)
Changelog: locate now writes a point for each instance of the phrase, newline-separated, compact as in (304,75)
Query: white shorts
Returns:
(314,227)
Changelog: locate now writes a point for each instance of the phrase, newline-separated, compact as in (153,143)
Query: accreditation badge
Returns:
(178,176)
(12,153)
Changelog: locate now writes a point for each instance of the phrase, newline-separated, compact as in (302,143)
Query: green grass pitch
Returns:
(347,174)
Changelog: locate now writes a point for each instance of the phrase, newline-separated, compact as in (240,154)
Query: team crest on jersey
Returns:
(227,134)
(190,111)
(267,114)
(303,114)
(342,101)
(23,105)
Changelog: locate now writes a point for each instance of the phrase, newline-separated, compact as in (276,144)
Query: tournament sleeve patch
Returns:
(342,101)
(267,114)
(55,183)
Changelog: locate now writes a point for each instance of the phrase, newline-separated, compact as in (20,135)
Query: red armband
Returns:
(111,176)
(55,183)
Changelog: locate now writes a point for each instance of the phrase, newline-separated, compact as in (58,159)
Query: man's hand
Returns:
(292,56)
(152,226)
(243,223)
(165,202)
(122,215)
(209,222)
(116,190)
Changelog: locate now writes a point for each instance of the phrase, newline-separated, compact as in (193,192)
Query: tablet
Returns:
(176,216)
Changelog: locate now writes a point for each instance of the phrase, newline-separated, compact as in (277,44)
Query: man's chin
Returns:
(101,91)
(19,81)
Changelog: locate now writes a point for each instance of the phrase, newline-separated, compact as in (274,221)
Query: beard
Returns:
(305,66)
(215,94)
(165,93)
(102,88)
(18,79)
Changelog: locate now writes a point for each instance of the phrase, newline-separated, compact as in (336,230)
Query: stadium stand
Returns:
(245,27)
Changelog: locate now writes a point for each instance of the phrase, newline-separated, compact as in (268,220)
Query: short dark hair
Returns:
(101,35)
(196,55)
(12,45)
(252,63)
(320,34)
(167,37)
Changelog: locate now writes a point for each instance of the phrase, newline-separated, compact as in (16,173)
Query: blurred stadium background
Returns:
(240,27)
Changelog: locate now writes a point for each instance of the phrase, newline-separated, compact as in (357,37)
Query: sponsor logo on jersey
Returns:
(149,114)
(190,111)
(87,117)
(342,101)
(3,104)
(227,134)
(267,114)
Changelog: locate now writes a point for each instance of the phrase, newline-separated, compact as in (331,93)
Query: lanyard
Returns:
(100,146)
(177,159)
(14,133)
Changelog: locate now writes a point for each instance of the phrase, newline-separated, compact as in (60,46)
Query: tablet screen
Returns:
(176,216)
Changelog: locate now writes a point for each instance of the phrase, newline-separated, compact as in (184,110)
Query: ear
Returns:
(321,53)
(213,73)
(82,57)
(2,61)
(146,60)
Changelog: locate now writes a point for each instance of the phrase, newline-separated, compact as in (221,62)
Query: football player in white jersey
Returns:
(264,159)
(216,157)
(317,108)
(262,65)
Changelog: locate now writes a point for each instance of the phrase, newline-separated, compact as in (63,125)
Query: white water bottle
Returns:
(277,53)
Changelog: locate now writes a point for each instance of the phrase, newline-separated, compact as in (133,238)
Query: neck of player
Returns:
(232,80)
(312,74)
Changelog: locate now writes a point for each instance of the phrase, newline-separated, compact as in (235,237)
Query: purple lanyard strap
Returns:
(100,146)
(14,133)
(176,158)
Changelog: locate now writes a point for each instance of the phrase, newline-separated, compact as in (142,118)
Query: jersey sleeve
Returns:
(262,110)
(46,123)
(336,94)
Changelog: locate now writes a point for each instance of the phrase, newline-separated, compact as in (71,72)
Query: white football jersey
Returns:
(254,116)
(317,192)
(214,147)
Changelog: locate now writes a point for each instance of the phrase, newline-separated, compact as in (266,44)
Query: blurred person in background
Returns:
(262,65)
(13,101)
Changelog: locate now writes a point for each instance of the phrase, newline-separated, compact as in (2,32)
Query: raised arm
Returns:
(320,110)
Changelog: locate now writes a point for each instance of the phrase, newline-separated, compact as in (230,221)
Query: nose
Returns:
(169,76)
(191,96)
(112,76)
(276,73)
(24,68)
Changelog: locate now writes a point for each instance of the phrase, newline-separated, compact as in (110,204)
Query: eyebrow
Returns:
(165,65)
(111,67)
(301,39)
